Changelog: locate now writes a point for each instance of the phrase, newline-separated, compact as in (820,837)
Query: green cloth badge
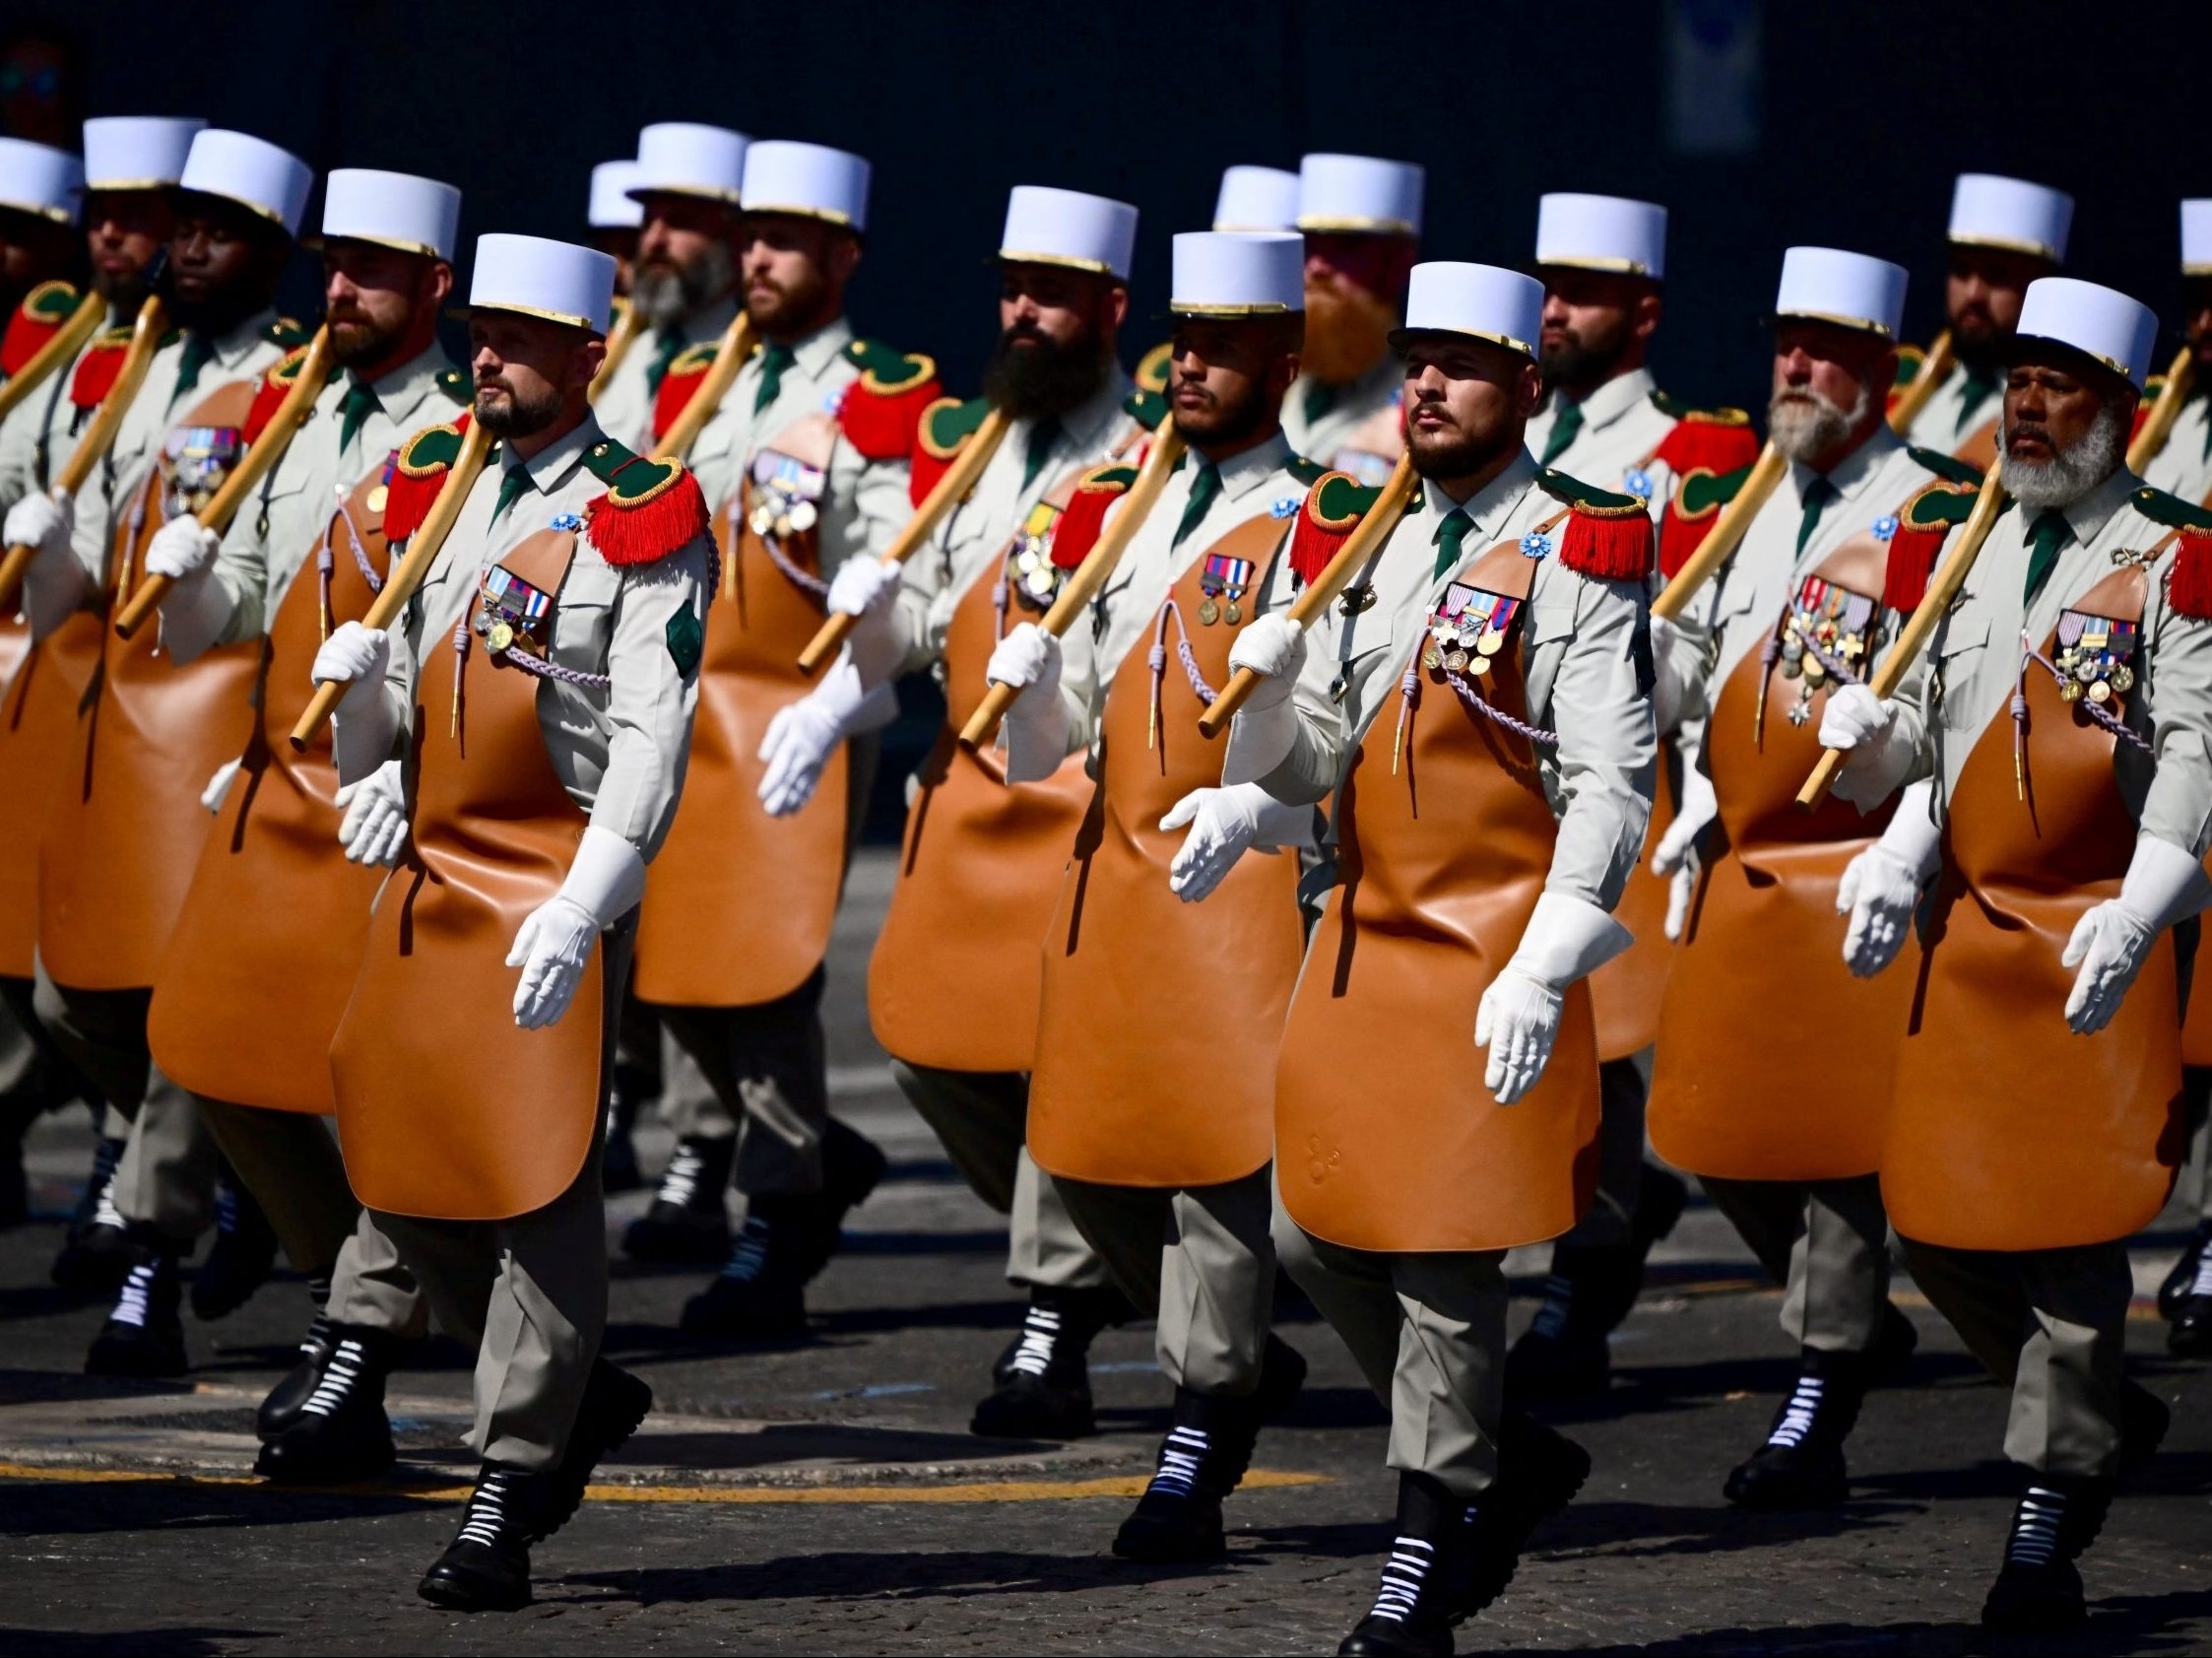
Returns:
(685,640)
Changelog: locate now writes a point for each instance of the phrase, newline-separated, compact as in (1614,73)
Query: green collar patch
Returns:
(948,423)
(1947,467)
(1153,366)
(2171,510)
(631,479)
(686,641)
(888,372)
(1585,497)
(1147,408)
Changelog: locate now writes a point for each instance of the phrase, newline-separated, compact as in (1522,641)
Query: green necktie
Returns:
(1982,384)
(354,410)
(775,358)
(1818,494)
(514,484)
(1042,437)
(1319,399)
(1205,490)
(2045,537)
(199,352)
(668,342)
(1449,541)
(1566,426)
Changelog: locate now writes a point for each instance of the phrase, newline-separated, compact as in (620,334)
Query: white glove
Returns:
(1517,1021)
(1864,726)
(196,610)
(1700,807)
(1881,887)
(180,548)
(866,589)
(804,734)
(1265,728)
(1674,665)
(554,941)
(55,585)
(219,787)
(362,724)
(2163,885)
(1225,823)
(1035,730)
(373,830)
(1681,890)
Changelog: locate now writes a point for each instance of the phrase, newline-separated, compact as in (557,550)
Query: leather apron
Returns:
(126,827)
(1628,989)
(1388,1139)
(1156,1046)
(40,716)
(956,976)
(265,954)
(1807,1102)
(2009,1131)
(447,1109)
(739,904)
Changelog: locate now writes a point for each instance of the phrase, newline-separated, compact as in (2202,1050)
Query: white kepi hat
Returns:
(1602,234)
(686,158)
(1476,302)
(2097,322)
(612,206)
(138,152)
(38,179)
(251,171)
(2196,237)
(1849,289)
(536,277)
(1048,227)
(812,180)
(1238,274)
(1256,198)
(391,209)
(1990,211)
(1359,193)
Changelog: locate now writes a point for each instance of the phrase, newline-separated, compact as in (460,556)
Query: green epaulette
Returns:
(948,423)
(1153,367)
(1911,359)
(1585,497)
(288,332)
(1675,409)
(457,384)
(1701,492)
(639,480)
(1947,467)
(888,372)
(50,302)
(691,360)
(1308,473)
(2170,510)
(1939,506)
(1147,408)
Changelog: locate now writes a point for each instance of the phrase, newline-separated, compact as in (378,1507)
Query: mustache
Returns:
(2029,428)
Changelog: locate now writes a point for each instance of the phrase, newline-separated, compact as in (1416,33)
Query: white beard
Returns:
(1803,423)
(2071,473)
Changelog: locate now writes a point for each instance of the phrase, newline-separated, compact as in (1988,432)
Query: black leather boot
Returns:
(341,1434)
(1422,1593)
(2038,1591)
(1202,1459)
(487,1565)
(686,1224)
(1044,1375)
(144,1335)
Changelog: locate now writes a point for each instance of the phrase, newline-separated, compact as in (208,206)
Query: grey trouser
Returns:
(167,1178)
(761,1073)
(980,1118)
(2195,1184)
(289,1160)
(1200,1259)
(1828,1242)
(1620,1156)
(371,1286)
(529,1294)
(2052,1325)
(1429,1333)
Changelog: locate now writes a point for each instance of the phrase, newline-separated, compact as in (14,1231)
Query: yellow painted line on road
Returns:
(982,1491)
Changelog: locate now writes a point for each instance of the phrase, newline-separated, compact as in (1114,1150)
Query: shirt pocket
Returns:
(584,616)
(1960,655)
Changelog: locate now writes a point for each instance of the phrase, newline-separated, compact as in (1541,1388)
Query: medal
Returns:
(1233,613)
(2101,691)
(1433,657)
(1456,661)
(802,516)
(2122,678)
(501,636)
(1209,612)
(379,494)
(1480,665)
(761,520)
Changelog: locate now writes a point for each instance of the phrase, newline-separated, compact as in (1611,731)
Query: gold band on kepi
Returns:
(569,318)
(1595,262)
(1836,319)
(258,209)
(1339,226)
(826,214)
(2007,245)
(1227,313)
(420,249)
(2022,345)
(41,210)
(1096,267)
(1400,335)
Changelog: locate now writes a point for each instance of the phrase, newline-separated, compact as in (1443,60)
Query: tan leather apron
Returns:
(40,716)
(739,904)
(1388,1139)
(1156,1045)
(1627,990)
(1979,448)
(15,645)
(265,954)
(1773,1063)
(446,1109)
(126,825)
(2009,1131)
(956,976)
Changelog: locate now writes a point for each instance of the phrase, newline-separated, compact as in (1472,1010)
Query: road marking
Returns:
(991,1491)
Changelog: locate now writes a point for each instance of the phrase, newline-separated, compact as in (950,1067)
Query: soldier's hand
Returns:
(551,947)
(1275,647)
(2164,885)
(373,830)
(1517,1021)
(355,657)
(181,549)
(1879,893)
(798,744)
(42,521)
(1028,659)
(219,786)
(1864,727)
(1700,809)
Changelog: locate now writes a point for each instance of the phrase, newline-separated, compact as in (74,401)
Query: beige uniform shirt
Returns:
(281,525)
(1582,673)
(960,550)
(1257,484)
(618,749)
(1965,682)
(864,502)
(1947,421)
(1325,434)
(2185,466)
(40,432)
(624,406)
(1621,427)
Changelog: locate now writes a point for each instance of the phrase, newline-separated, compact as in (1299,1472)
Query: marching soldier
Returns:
(953,984)
(1256,199)
(542,683)
(132,164)
(683,281)
(614,217)
(269,904)
(1808,603)
(2005,233)
(1494,649)
(124,829)
(2063,716)
(809,456)
(1603,260)
(1361,218)
(1148,1105)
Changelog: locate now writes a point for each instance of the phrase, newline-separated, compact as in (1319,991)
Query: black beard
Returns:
(1579,368)
(217,313)
(1230,426)
(1457,456)
(1044,379)
(358,341)
(515,418)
